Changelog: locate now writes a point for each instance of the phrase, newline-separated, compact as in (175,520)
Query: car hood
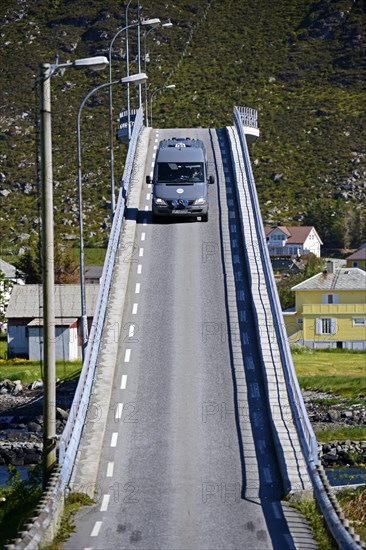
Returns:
(189,192)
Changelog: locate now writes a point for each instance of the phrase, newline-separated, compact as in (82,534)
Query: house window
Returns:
(299,320)
(325,325)
(354,264)
(330,299)
(358,322)
(364,264)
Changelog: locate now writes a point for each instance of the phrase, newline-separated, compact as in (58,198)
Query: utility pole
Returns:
(49,397)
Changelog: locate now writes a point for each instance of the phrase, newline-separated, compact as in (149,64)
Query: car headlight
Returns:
(159,202)
(200,201)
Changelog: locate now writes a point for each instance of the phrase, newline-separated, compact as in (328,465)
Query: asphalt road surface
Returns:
(174,472)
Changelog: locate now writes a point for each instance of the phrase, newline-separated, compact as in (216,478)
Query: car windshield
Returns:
(184,172)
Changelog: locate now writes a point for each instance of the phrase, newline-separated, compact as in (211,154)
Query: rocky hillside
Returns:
(301,64)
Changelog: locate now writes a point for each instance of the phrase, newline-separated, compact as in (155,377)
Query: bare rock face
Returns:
(21,419)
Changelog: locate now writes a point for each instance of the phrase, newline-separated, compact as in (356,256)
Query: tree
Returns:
(330,220)
(313,266)
(30,262)
(66,265)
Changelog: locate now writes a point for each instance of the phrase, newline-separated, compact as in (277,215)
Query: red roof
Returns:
(295,235)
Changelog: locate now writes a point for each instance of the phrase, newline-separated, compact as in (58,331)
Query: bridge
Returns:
(188,428)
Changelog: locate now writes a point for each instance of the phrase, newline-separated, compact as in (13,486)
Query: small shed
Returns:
(25,320)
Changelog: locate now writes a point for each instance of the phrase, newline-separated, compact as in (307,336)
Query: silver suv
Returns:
(180,179)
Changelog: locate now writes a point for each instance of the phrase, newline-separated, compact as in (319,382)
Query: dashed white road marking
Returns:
(110,469)
(141,252)
(124,381)
(146,208)
(148,195)
(134,309)
(131,330)
(119,411)
(137,288)
(143,235)
(105,502)
(96,529)
(114,439)
(127,355)
(152,165)
(139,269)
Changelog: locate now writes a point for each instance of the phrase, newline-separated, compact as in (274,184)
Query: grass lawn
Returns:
(28,371)
(335,371)
(338,372)
(353,502)
(92,256)
(354,433)
(3,346)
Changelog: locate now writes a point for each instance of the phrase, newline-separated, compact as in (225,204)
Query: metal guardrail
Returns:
(248,116)
(307,439)
(70,438)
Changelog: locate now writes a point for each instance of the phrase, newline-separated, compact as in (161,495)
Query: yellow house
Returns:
(330,310)
(358,258)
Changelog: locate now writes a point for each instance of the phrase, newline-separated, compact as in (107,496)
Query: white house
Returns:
(25,320)
(11,276)
(293,241)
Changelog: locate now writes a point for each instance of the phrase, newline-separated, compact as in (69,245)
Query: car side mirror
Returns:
(211,179)
(148,179)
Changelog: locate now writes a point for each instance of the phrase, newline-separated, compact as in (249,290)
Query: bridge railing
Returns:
(345,539)
(70,438)
(296,400)
(248,116)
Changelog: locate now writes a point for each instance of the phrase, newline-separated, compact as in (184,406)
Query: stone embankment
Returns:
(327,414)
(21,419)
(21,423)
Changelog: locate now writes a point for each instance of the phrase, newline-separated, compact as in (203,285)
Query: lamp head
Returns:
(138,78)
(151,22)
(96,63)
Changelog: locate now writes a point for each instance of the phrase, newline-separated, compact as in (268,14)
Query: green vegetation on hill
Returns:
(301,64)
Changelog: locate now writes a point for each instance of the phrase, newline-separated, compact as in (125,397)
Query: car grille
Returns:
(180,203)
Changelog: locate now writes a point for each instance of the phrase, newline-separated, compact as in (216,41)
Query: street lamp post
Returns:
(49,355)
(128,71)
(49,383)
(153,23)
(163,26)
(169,87)
(137,79)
